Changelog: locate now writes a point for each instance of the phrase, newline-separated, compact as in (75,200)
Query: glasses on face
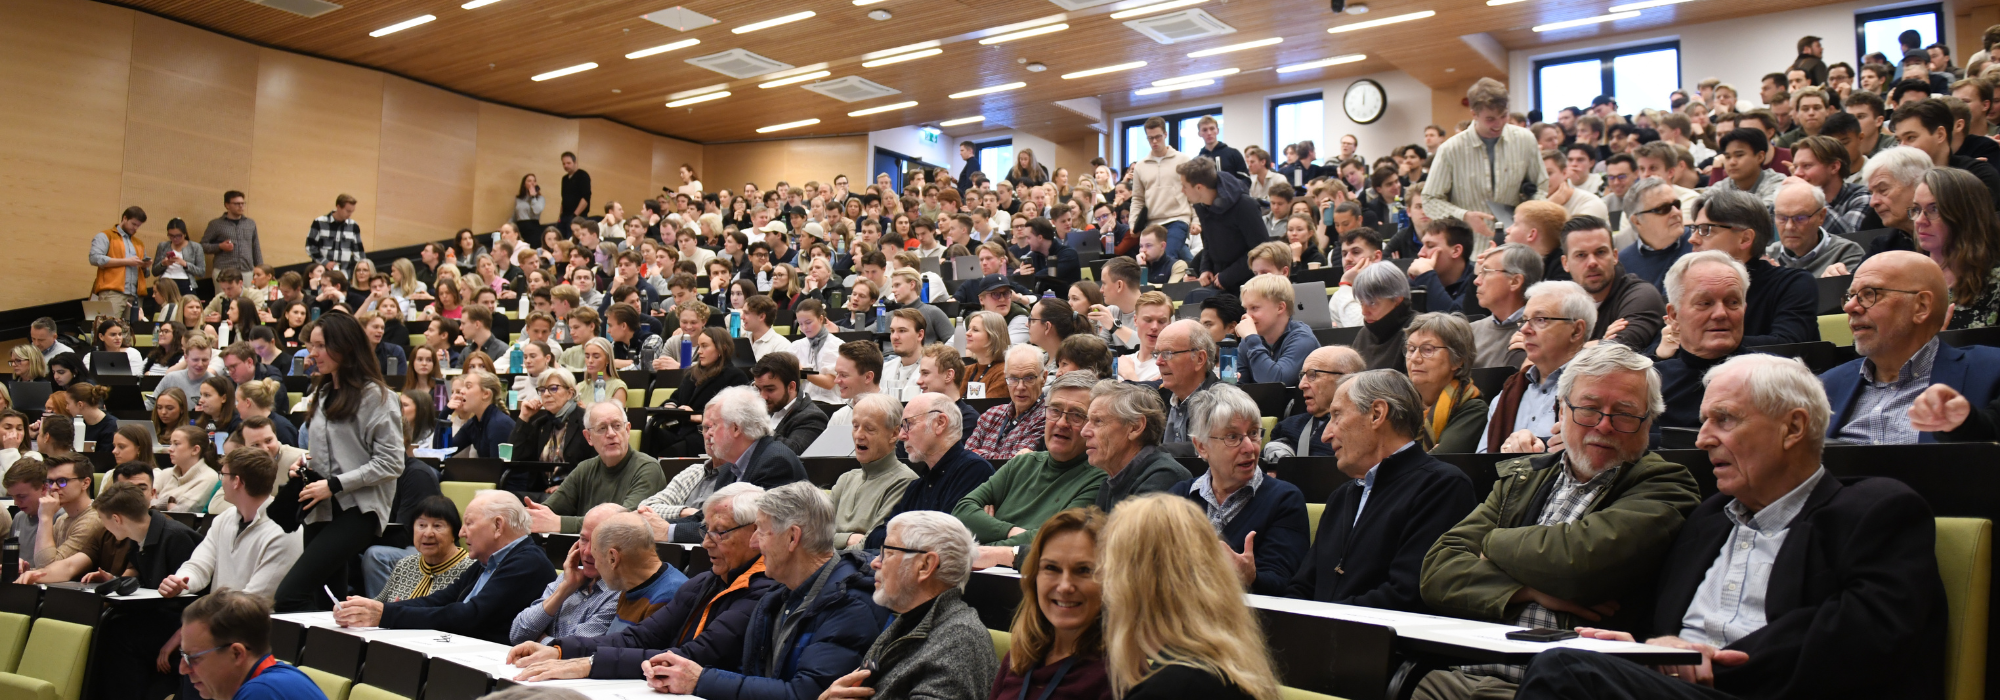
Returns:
(1617,178)
(1323,374)
(1541,323)
(1234,439)
(886,547)
(1165,356)
(1484,271)
(1591,418)
(719,535)
(910,424)
(619,428)
(1870,296)
(1800,220)
(1071,417)
(1707,230)
(1671,205)
(63,482)
(192,659)
(1928,212)
(551,389)
(1029,380)
(1425,351)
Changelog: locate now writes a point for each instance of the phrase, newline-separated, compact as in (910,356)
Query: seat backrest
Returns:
(365,691)
(56,653)
(1833,329)
(1290,693)
(1002,641)
(335,687)
(1965,562)
(13,636)
(1313,511)
(461,492)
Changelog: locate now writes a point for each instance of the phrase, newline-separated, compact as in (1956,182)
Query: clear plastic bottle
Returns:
(881,317)
(597,389)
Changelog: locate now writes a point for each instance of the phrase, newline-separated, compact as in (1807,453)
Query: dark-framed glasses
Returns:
(1591,418)
(1870,296)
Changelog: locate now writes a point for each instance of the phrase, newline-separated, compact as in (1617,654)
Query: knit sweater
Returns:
(627,483)
(862,497)
(251,558)
(1024,493)
(188,492)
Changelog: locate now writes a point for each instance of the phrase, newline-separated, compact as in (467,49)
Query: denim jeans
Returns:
(1177,247)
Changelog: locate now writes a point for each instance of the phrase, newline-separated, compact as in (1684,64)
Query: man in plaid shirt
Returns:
(1016,427)
(336,236)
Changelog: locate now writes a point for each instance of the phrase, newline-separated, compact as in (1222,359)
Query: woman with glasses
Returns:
(1949,201)
(439,560)
(1437,348)
(551,426)
(1056,650)
(1262,519)
(27,365)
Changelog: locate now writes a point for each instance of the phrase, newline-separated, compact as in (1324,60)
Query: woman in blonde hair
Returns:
(1058,636)
(986,341)
(1175,622)
(257,398)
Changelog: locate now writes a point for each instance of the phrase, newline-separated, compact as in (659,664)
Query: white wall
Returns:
(1045,150)
(1246,116)
(908,140)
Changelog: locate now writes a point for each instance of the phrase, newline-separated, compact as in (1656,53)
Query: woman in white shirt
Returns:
(187,486)
(114,336)
(690,185)
(13,438)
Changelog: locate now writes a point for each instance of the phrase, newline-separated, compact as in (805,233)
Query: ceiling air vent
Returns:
(1186,25)
(1074,5)
(679,19)
(851,89)
(739,64)
(308,8)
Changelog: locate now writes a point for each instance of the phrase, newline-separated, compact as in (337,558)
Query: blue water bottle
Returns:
(514,359)
(687,351)
(735,323)
(924,293)
(881,317)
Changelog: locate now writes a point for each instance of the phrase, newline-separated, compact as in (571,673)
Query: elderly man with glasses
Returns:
(1504,275)
(1908,386)
(936,647)
(1556,324)
(933,434)
(1007,510)
(1662,238)
(1570,537)
(1303,435)
(1804,241)
(1014,428)
(1783,303)
(1186,356)
(618,474)
(736,429)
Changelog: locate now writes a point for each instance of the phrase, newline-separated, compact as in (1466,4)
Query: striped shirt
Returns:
(1881,414)
(1463,179)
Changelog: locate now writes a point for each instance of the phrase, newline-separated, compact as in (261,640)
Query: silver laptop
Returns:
(94,309)
(965,267)
(1309,305)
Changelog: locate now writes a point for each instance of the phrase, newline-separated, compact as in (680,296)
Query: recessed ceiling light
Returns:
(1566,24)
(1155,7)
(1322,63)
(800,78)
(1238,47)
(788,125)
(400,26)
(704,97)
(1648,4)
(1023,34)
(975,119)
(881,109)
(880,15)
(986,90)
(663,48)
(476,4)
(579,68)
(767,24)
(1102,71)
(1380,22)
(1173,87)
(899,58)
(919,46)
(1197,76)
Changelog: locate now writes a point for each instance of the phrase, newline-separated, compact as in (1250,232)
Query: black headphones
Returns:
(123,585)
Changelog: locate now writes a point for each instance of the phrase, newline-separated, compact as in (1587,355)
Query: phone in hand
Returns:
(1541,635)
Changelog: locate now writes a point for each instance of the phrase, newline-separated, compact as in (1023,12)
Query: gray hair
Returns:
(743,407)
(1905,165)
(1198,339)
(504,505)
(1778,385)
(1603,359)
(1221,405)
(1575,303)
(941,534)
(954,421)
(1638,191)
(1393,388)
(629,535)
(1381,281)
(1132,403)
(1078,379)
(889,410)
(1739,209)
(1454,331)
(1677,275)
(803,505)
(590,413)
(743,499)
(1520,260)
(1027,350)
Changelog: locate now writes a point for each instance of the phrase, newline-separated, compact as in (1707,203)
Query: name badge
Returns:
(975,390)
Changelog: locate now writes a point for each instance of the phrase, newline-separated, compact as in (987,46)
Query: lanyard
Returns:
(1061,670)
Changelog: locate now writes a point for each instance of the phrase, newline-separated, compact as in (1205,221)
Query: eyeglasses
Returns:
(1707,230)
(64,481)
(1541,323)
(1483,270)
(1071,417)
(886,547)
(717,535)
(1671,205)
(1591,417)
(1425,351)
(1319,374)
(1800,220)
(908,424)
(1870,296)
(1165,356)
(551,389)
(1617,178)
(1234,439)
(1928,211)
(1030,380)
(618,428)
(190,659)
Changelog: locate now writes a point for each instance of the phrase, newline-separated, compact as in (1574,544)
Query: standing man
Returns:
(120,262)
(575,190)
(1492,162)
(337,237)
(1157,198)
(1231,223)
(970,154)
(232,237)
(1227,159)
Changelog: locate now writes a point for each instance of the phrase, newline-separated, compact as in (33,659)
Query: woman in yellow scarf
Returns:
(1437,348)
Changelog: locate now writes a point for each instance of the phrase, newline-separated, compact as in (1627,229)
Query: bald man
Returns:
(1907,387)
(1301,435)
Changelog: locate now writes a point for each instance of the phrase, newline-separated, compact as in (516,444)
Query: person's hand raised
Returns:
(1938,409)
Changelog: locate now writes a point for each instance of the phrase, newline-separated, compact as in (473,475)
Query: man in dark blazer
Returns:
(1231,222)
(509,574)
(800,421)
(1790,582)
(737,430)
(1376,528)
(1902,361)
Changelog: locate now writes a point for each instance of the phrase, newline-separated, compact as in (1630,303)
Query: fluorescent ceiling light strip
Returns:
(663,48)
(901,49)
(767,24)
(698,91)
(1600,19)
(476,4)
(1023,34)
(400,26)
(975,119)
(1155,7)
(1238,47)
(800,78)
(899,58)
(1497,3)
(859,3)
(1196,76)
(788,125)
(881,109)
(1102,71)
(986,90)
(1648,4)
(1173,87)
(1322,63)
(1370,24)
(579,68)
(698,98)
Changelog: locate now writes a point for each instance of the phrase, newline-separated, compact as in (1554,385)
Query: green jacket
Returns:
(1463,431)
(1024,493)
(1611,553)
(592,483)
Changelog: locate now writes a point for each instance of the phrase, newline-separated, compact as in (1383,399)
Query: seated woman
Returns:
(132,443)
(1175,620)
(14,442)
(112,335)
(714,370)
(389,357)
(537,359)
(166,354)
(1960,211)
(87,400)
(1084,352)
(170,411)
(550,428)
(1058,639)
(478,423)
(1383,292)
(1261,517)
(425,371)
(1438,348)
(27,364)
(597,356)
(66,370)
(215,407)
(188,486)
(257,398)
(439,560)
(986,342)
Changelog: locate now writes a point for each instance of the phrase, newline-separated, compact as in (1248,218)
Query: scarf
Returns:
(1505,408)
(427,573)
(553,450)
(1439,415)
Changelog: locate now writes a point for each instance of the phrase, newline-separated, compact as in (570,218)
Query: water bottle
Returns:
(687,351)
(514,359)
(10,552)
(924,293)
(735,323)
(597,387)
(523,313)
(438,393)
(222,334)
(881,317)
(1227,365)
(77,423)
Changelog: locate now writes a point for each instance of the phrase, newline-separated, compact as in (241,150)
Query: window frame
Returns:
(1271,119)
(1607,72)
(979,154)
(1861,20)
(1173,119)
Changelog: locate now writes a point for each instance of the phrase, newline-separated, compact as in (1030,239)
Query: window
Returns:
(1294,119)
(1639,77)
(1182,132)
(996,158)
(1877,32)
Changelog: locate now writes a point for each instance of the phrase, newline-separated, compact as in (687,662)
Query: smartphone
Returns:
(1541,635)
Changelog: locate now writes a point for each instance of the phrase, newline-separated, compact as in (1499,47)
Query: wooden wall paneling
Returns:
(669,154)
(430,149)
(1075,154)
(193,108)
(1447,105)
(791,160)
(318,135)
(620,161)
(514,143)
(66,66)
(1970,20)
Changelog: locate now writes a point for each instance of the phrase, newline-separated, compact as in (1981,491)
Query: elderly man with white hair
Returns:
(578,602)
(1554,326)
(618,474)
(737,431)
(1804,243)
(1015,427)
(1121,436)
(509,573)
(1262,519)
(1892,177)
(1383,292)
(1788,578)
(1008,509)
(1504,276)
(936,647)
(1186,355)
(1706,292)
(933,434)
(863,497)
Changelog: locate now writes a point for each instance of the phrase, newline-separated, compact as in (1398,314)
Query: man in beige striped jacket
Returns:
(1491,162)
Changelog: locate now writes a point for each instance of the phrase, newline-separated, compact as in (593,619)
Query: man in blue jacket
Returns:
(1908,386)
(799,640)
(510,574)
(226,642)
(1231,221)
(934,435)
(1274,347)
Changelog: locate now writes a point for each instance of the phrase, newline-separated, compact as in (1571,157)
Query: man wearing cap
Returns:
(776,235)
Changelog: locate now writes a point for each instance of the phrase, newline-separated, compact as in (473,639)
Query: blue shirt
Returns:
(1729,604)
(1537,411)
(1368,482)
(492,564)
(1278,362)
(272,679)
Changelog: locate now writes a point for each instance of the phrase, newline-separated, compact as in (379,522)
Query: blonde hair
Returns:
(262,392)
(1271,288)
(197,340)
(1170,596)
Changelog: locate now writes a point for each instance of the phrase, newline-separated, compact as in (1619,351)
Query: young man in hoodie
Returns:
(1231,222)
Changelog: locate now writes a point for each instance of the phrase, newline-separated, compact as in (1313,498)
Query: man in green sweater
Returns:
(618,474)
(1005,512)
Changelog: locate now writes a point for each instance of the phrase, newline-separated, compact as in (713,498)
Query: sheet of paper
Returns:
(308,619)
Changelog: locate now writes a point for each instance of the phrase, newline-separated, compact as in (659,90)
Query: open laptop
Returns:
(94,309)
(965,267)
(30,396)
(1309,305)
(112,363)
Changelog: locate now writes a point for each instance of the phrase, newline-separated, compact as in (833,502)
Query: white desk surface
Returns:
(494,663)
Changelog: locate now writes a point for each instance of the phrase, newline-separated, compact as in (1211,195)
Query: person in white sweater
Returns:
(248,553)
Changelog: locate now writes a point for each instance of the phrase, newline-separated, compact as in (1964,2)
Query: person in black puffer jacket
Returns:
(1231,222)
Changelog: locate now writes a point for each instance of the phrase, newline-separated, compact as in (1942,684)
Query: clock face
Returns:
(1365,101)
